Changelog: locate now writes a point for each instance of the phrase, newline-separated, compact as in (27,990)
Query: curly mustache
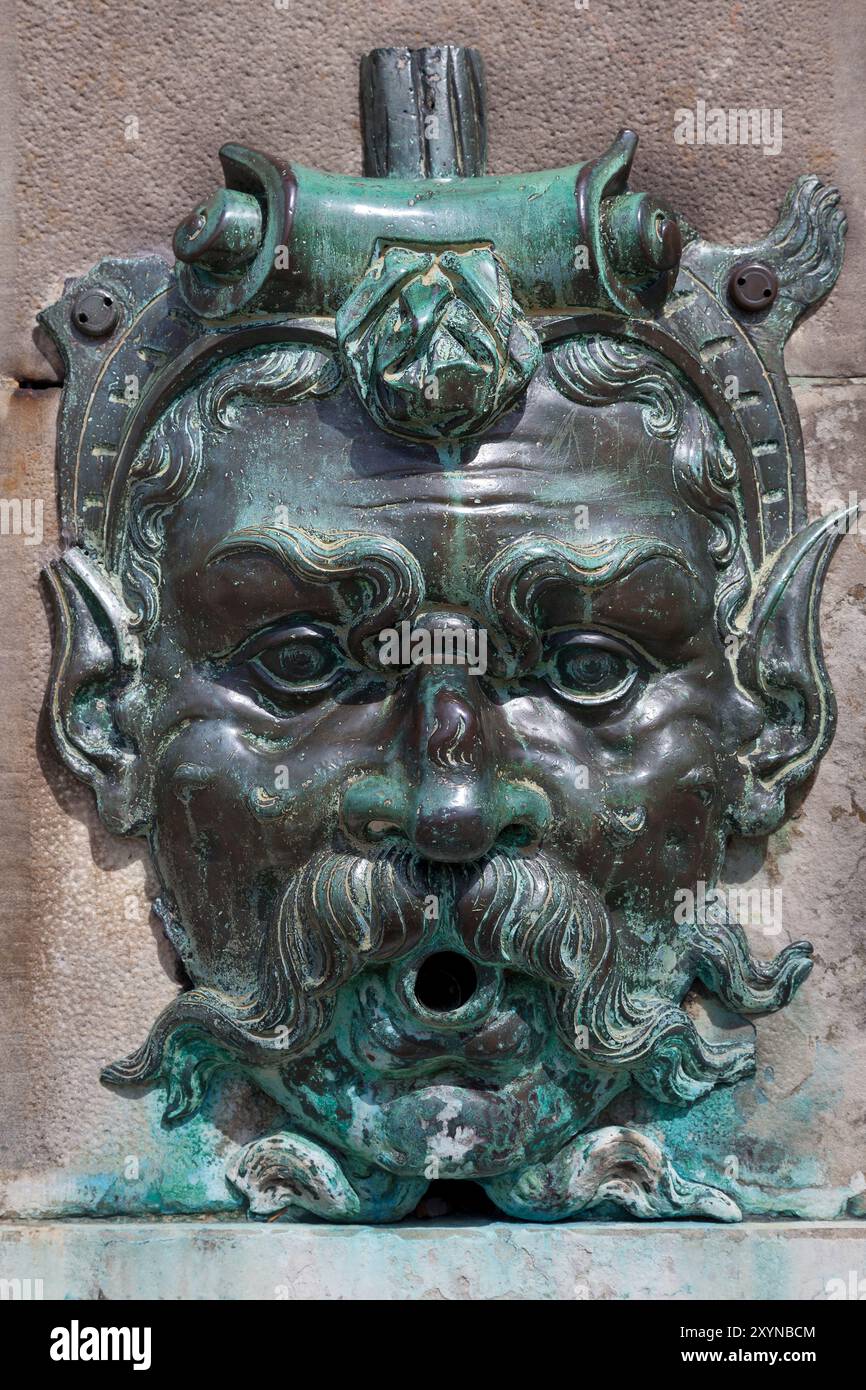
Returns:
(342,913)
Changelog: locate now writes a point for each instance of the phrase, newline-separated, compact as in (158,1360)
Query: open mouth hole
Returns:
(445,981)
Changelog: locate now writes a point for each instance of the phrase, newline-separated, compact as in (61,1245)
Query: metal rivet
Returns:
(95,312)
(753,286)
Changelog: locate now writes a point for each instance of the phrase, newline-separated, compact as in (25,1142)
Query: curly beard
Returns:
(343,912)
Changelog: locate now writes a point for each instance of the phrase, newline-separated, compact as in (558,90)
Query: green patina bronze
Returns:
(437,611)
(434,343)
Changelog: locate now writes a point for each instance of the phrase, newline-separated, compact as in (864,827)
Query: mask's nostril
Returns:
(376,829)
(518,836)
(445,981)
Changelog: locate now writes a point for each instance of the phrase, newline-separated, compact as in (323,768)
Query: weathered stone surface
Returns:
(453,1260)
(110,159)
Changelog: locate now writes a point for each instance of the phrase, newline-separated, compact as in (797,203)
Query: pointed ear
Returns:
(95,667)
(781,664)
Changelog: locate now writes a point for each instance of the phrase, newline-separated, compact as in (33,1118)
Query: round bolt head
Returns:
(753,286)
(95,312)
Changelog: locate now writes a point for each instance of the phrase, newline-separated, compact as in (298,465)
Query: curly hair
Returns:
(599,370)
(168,462)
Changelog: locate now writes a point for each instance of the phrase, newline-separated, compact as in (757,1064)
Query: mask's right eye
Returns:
(293,661)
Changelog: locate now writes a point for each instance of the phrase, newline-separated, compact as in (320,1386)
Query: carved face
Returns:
(611,745)
(462,880)
(428,742)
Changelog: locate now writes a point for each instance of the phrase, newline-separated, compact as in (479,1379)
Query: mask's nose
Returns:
(450,795)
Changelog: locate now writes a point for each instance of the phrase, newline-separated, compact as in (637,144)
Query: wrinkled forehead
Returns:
(551,469)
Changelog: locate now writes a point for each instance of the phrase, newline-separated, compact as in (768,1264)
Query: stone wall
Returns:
(113,116)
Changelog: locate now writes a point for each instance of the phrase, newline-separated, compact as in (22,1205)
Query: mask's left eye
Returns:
(296,661)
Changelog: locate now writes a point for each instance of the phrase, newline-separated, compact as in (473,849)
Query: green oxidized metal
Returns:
(437,610)
(434,343)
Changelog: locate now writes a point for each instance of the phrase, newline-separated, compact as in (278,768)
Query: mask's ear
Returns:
(94,671)
(781,664)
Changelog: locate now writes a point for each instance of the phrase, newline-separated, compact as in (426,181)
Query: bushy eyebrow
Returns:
(383,580)
(514,582)
(384,583)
